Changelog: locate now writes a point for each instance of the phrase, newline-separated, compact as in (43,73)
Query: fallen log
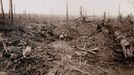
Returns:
(92,51)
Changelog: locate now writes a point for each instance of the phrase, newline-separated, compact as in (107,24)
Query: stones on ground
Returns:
(62,36)
(13,56)
(27,51)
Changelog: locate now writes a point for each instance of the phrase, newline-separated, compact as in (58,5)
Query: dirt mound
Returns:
(82,55)
(17,40)
(70,32)
(61,45)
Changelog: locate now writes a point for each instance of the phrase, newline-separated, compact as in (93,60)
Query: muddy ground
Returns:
(81,53)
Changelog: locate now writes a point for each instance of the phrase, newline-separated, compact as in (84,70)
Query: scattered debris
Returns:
(58,49)
(93,51)
(3,73)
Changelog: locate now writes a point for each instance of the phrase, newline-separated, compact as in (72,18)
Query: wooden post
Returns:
(67,16)
(105,17)
(93,16)
(81,13)
(108,14)
(14,10)
(11,9)
(51,17)
(132,24)
(85,13)
(29,15)
(132,29)
(119,14)
(25,15)
(2,10)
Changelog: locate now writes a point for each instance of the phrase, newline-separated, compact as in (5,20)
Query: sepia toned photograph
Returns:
(66,37)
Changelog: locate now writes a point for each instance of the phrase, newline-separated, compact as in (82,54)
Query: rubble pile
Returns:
(21,52)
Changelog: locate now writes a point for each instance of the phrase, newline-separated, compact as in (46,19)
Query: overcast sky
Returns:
(59,6)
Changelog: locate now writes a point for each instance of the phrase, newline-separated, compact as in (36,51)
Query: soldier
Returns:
(62,36)
(125,44)
(99,27)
